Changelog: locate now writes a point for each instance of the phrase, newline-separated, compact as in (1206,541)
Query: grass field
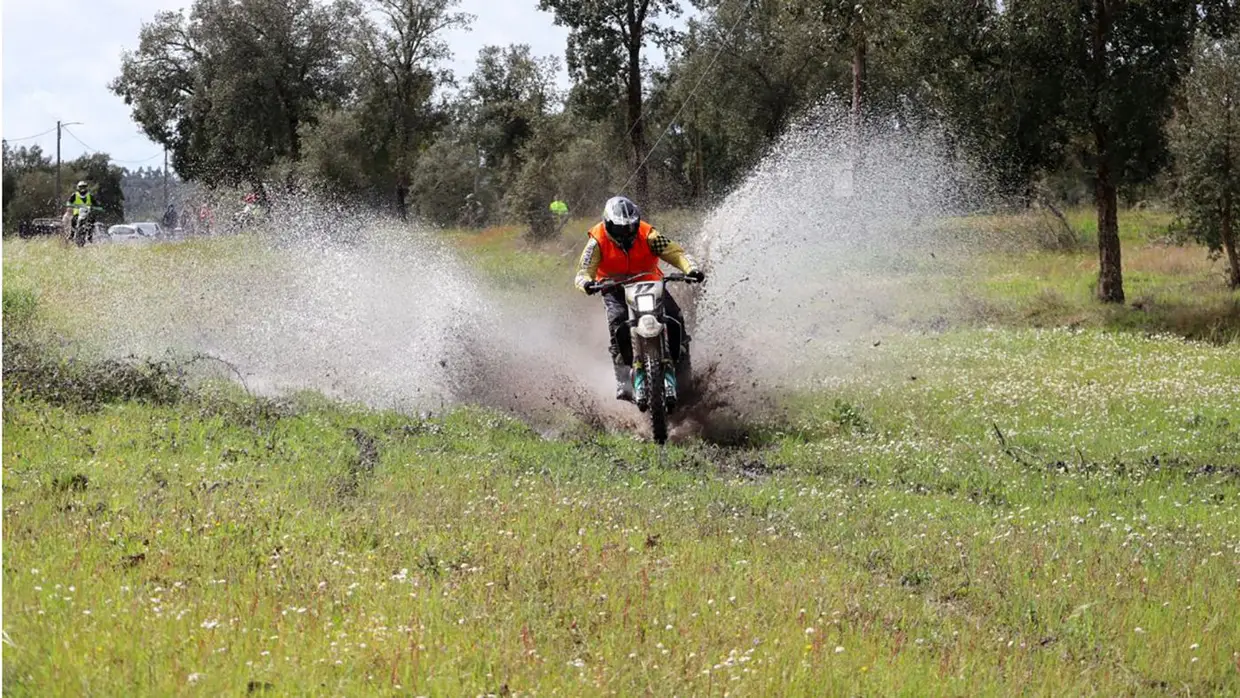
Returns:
(998,509)
(1169,288)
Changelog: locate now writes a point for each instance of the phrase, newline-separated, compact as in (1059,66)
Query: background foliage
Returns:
(1062,101)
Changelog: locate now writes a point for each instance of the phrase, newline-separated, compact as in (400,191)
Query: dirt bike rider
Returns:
(619,247)
(81,202)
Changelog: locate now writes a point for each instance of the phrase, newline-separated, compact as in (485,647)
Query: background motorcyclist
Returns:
(80,203)
(623,246)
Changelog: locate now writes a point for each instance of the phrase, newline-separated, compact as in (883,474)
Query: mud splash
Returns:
(372,317)
(827,247)
(814,256)
(360,308)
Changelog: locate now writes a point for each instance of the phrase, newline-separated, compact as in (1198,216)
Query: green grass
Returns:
(1024,270)
(1135,225)
(508,263)
(75,287)
(212,545)
(1175,290)
(1009,511)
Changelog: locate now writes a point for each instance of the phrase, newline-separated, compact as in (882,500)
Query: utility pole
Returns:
(165,178)
(59,191)
(59,126)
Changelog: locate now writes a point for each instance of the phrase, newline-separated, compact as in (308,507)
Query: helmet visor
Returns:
(623,233)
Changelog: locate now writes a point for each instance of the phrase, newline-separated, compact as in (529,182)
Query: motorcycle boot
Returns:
(669,387)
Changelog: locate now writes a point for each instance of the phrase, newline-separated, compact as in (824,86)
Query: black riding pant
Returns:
(618,326)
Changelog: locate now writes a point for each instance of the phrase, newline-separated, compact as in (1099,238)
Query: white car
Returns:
(123,233)
(149,229)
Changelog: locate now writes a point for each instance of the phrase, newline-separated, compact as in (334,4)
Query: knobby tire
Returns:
(658,403)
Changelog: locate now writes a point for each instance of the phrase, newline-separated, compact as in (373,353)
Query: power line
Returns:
(685,103)
(651,105)
(135,162)
(28,138)
(79,140)
(110,159)
(134,137)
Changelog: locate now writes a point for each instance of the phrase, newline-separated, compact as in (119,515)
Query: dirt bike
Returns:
(651,355)
(82,227)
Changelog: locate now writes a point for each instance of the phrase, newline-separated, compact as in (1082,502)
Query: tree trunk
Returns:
(1229,240)
(1110,269)
(1227,237)
(636,127)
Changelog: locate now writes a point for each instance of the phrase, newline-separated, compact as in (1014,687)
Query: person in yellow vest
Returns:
(559,209)
(80,203)
(623,246)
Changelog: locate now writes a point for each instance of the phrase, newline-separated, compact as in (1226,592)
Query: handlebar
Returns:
(612,285)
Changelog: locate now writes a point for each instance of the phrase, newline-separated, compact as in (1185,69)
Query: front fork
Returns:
(641,347)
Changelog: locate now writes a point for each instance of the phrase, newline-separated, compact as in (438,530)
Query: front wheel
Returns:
(79,235)
(658,403)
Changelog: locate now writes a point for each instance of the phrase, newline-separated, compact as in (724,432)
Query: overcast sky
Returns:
(47,79)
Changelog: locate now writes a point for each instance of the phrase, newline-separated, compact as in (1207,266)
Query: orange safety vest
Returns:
(616,263)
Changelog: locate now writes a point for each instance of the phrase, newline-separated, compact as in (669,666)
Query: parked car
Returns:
(42,226)
(136,230)
(150,229)
(120,233)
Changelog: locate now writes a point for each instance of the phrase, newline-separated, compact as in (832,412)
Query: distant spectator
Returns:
(170,218)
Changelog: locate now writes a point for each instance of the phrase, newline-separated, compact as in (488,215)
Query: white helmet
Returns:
(622,219)
(82,185)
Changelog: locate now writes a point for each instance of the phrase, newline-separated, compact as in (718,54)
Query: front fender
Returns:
(649,327)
